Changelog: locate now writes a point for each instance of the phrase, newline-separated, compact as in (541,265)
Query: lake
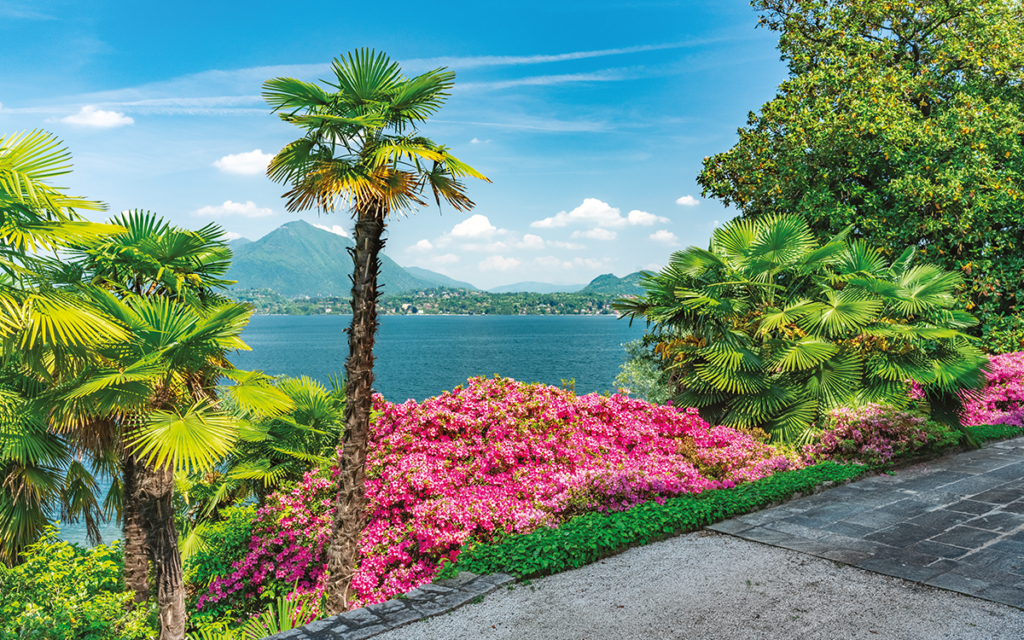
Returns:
(421,356)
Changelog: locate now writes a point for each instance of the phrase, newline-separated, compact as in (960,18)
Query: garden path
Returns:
(956,523)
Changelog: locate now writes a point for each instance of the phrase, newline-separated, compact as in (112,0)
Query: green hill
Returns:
(297,259)
(610,285)
(439,278)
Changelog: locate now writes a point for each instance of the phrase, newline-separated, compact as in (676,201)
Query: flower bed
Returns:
(497,457)
(874,435)
(1002,401)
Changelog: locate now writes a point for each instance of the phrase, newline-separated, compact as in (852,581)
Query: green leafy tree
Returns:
(768,328)
(152,401)
(360,149)
(904,118)
(44,330)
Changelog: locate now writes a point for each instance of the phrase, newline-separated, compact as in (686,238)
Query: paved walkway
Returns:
(956,523)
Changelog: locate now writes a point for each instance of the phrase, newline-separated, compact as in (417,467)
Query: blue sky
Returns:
(591,118)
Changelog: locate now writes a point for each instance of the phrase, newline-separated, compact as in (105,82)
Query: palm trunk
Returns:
(136,562)
(155,491)
(350,506)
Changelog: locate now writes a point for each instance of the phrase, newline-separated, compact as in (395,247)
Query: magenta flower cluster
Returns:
(1002,400)
(872,434)
(494,458)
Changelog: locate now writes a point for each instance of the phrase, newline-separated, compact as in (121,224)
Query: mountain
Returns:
(238,243)
(298,259)
(536,287)
(609,284)
(439,278)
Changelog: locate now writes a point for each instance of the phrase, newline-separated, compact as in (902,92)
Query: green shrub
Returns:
(62,591)
(995,431)
(226,542)
(769,328)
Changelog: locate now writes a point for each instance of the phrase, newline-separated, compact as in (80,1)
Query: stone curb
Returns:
(421,603)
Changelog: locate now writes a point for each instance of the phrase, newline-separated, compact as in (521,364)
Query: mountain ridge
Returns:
(298,259)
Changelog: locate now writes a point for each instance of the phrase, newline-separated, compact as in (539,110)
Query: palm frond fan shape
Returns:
(769,328)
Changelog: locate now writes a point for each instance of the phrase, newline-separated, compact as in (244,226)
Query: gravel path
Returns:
(708,585)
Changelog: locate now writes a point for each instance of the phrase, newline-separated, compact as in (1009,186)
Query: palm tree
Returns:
(151,258)
(44,330)
(153,396)
(361,149)
(768,329)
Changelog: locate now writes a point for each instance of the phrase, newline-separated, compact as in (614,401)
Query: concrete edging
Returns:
(423,602)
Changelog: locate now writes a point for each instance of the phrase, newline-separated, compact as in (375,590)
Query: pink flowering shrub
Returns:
(1002,401)
(494,458)
(873,434)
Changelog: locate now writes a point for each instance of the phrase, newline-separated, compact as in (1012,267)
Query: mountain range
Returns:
(299,259)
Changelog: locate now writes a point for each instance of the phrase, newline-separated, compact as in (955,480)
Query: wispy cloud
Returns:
(11,10)
(472,62)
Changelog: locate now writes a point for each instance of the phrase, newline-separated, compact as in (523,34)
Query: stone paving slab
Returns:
(423,602)
(956,523)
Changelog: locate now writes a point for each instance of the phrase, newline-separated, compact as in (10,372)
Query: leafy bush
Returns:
(874,435)
(64,592)
(767,328)
(1002,400)
(642,375)
(589,537)
(495,458)
(225,543)
(878,127)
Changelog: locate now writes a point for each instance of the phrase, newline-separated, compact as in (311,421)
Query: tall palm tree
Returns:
(44,330)
(151,258)
(361,150)
(153,396)
(159,388)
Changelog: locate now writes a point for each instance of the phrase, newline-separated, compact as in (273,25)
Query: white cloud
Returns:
(665,237)
(337,229)
(531,241)
(229,208)
(498,263)
(716,224)
(489,247)
(688,201)
(550,262)
(592,211)
(475,226)
(448,258)
(588,262)
(422,245)
(248,163)
(595,234)
(558,244)
(644,218)
(231,235)
(90,116)
(478,141)
(654,266)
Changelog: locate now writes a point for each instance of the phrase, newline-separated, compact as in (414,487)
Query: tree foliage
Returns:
(904,118)
(768,328)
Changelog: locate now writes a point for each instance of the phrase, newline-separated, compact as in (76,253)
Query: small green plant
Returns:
(63,591)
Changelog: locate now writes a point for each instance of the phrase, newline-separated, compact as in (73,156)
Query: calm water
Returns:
(421,356)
